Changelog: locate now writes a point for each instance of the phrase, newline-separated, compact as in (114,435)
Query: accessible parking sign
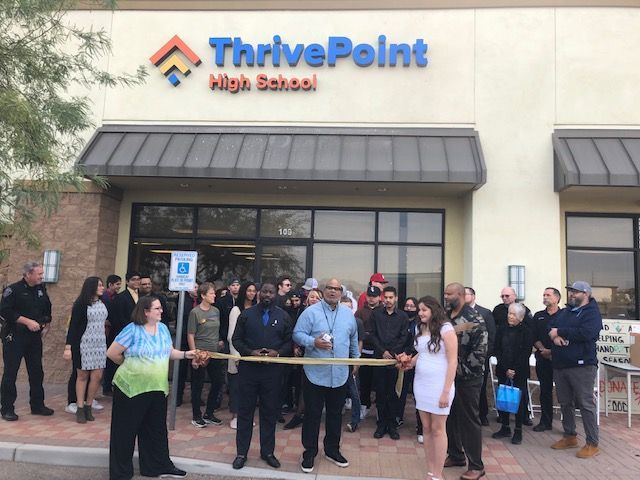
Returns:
(182,276)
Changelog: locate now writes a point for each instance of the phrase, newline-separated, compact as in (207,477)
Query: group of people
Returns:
(444,351)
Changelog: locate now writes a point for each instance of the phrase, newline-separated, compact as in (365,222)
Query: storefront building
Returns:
(433,144)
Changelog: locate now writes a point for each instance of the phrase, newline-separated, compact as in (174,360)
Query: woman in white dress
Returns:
(436,361)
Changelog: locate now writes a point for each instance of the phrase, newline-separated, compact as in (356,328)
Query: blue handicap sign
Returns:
(183,268)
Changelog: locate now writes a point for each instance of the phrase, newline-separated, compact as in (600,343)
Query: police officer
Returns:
(26,310)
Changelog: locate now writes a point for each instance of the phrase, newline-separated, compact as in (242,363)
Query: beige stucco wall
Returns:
(512,74)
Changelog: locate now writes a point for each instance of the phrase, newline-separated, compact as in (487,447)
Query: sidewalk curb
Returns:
(99,458)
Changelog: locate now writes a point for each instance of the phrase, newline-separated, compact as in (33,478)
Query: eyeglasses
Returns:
(334,289)
(505,296)
(286,284)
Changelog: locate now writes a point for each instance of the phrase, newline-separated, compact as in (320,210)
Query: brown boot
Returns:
(588,451)
(88,413)
(80,415)
(570,441)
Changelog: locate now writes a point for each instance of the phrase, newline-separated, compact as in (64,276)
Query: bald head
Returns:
(333,292)
(454,296)
(508,295)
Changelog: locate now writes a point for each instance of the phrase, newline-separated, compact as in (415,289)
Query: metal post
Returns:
(173,396)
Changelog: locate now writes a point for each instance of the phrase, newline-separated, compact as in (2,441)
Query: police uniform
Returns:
(19,299)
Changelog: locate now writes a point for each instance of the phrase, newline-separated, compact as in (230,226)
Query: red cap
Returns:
(378,277)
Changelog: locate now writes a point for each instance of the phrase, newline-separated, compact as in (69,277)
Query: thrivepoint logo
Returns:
(168,60)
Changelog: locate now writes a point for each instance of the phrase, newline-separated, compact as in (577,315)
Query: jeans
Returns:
(353,385)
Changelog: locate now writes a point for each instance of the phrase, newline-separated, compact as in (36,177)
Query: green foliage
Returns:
(42,126)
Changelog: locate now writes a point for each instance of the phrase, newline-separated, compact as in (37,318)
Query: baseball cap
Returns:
(580,286)
(378,277)
(295,293)
(234,280)
(310,284)
(373,291)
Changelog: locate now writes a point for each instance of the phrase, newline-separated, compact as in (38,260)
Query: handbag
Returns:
(508,397)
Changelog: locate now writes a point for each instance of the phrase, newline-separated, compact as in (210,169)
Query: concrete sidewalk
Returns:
(60,440)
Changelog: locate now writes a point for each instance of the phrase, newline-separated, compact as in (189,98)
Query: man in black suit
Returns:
(470,299)
(263,330)
(120,315)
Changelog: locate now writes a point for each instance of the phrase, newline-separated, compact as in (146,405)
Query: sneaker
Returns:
(517,436)
(96,406)
(234,423)
(199,423)
(352,427)
(72,408)
(364,411)
(347,404)
(566,442)
(307,463)
(211,419)
(420,439)
(173,473)
(588,451)
(399,422)
(337,458)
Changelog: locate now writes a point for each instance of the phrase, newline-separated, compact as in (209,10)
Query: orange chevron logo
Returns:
(168,60)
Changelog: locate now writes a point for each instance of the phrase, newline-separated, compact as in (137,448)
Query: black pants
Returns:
(366,382)
(544,371)
(258,383)
(387,401)
(483,406)
(315,398)
(234,392)
(145,417)
(407,384)
(286,393)
(522,409)
(27,345)
(214,370)
(463,425)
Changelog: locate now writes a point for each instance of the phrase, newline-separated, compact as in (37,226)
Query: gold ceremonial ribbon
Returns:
(370,362)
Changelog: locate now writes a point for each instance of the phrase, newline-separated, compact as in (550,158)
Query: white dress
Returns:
(431,370)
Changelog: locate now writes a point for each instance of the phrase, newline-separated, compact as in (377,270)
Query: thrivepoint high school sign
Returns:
(277,52)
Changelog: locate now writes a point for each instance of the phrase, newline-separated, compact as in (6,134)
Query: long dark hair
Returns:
(242,295)
(88,291)
(438,318)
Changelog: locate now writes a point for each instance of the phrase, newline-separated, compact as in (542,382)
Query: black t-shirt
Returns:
(541,322)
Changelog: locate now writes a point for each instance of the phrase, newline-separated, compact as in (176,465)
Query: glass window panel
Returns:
(599,232)
(153,256)
(223,261)
(415,270)
(285,223)
(227,222)
(279,260)
(414,227)
(351,264)
(611,275)
(154,220)
(344,225)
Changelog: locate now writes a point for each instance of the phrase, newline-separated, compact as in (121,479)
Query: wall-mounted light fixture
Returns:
(51,265)
(516,280)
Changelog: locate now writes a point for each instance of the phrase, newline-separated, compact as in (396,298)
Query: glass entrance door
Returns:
(283,259)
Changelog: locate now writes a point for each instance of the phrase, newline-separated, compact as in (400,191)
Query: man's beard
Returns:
(453,304)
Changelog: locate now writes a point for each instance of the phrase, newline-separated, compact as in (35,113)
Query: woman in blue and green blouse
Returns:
(143,350)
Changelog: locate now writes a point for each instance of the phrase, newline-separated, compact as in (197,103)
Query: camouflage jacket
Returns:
(472,343)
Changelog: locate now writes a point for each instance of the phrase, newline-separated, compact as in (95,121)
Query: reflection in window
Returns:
(153,256)
(413,227)
(225,260)
(227,222)
(611,276)
(285,223)
(599,232)
(280,260)
(166,221)
(419,268)
(351,264)
(344,225)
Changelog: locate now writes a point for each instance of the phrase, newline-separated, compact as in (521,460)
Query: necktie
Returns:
(265,317)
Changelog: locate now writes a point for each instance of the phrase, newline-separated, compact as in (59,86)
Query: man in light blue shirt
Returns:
(325,330)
